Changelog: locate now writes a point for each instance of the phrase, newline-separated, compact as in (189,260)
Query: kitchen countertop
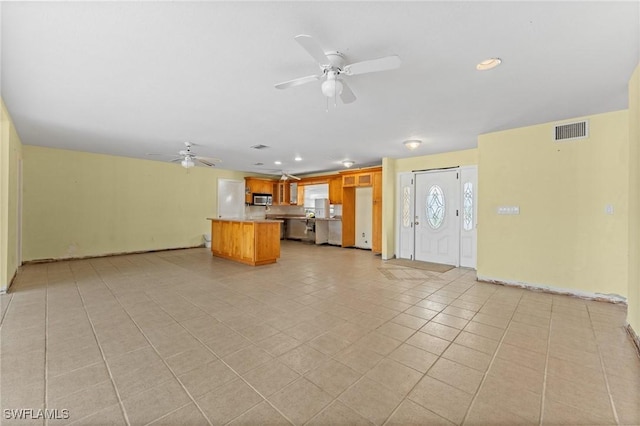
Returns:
(244,220)
(284,217)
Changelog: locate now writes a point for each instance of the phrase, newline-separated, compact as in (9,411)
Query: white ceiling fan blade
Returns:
(347,95)
(205,162)
(373,65)
(313,48)
(292,176)
(297,81)
(209,159)
(175,160)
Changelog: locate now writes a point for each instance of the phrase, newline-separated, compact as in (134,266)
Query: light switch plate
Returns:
(608,209)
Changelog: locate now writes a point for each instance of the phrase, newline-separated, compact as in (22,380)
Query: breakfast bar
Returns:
(250,241)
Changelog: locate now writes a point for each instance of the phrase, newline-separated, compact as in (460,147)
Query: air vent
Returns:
(579,130)
(258,164)
(259,146)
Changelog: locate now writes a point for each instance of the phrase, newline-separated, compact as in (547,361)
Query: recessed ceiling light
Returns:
(277,163)
(298,158)
(348,163)
(488,64)
(412,144)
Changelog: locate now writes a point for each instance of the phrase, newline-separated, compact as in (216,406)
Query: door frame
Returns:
(401,179)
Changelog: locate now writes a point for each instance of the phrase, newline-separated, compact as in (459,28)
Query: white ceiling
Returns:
(129,78)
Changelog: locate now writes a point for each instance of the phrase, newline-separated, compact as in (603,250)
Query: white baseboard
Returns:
(611,298)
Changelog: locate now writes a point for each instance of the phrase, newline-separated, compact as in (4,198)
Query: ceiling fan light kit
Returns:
(412,144)
(187,163)
(348,163)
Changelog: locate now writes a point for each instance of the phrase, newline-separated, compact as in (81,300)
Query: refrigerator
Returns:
(322,208)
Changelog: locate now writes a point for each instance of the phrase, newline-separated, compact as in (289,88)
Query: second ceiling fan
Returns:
(334,69)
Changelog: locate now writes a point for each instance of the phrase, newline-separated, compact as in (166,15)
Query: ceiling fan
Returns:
(188,158)
(287,176)
(334,69)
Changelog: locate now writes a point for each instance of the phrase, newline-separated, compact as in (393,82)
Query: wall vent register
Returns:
(570,131)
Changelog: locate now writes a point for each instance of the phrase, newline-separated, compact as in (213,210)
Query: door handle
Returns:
(417,223)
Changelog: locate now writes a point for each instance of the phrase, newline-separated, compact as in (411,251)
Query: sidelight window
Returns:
(406,206)
(467,206)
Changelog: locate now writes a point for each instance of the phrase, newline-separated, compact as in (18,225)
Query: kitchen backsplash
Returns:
(260,212)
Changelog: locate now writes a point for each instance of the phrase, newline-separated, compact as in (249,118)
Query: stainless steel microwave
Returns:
(262,199)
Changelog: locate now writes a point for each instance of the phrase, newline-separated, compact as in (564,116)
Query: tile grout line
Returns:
(46,342)
(604,371)
(6,309)
(546,368)
(493,358)
(104,359)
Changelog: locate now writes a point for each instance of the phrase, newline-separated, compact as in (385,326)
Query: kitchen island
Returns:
(254,242)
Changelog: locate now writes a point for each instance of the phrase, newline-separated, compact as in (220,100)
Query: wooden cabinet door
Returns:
(248,190)
(376,233)
(335,191)
(247,235)
(364,179)
(216,240)
(348,181)
(293,193)
(300,195)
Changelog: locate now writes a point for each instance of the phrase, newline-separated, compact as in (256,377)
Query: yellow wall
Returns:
(562,237)
(633,313)
(10,155)
(391,167)
(79,204)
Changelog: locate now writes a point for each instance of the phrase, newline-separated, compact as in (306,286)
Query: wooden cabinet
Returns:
(335,190)
(357,179)
(376,232)
(348,181)
(251,242)
(351,181)
(281,193)
(293,194)
(300,195)
(257,186)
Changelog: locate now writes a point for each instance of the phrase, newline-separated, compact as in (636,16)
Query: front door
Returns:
(437,210)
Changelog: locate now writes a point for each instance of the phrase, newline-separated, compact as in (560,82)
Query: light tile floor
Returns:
(325,336)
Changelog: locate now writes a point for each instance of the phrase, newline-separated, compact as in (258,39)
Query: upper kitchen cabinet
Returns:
(335,190)
(256,186)
(293,193)
(357,179)
(281,193)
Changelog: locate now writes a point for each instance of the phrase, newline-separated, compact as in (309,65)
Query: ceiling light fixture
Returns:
(412,144)
(298,158)
(348,163)
(187,163)
(488,64)
(277,163)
